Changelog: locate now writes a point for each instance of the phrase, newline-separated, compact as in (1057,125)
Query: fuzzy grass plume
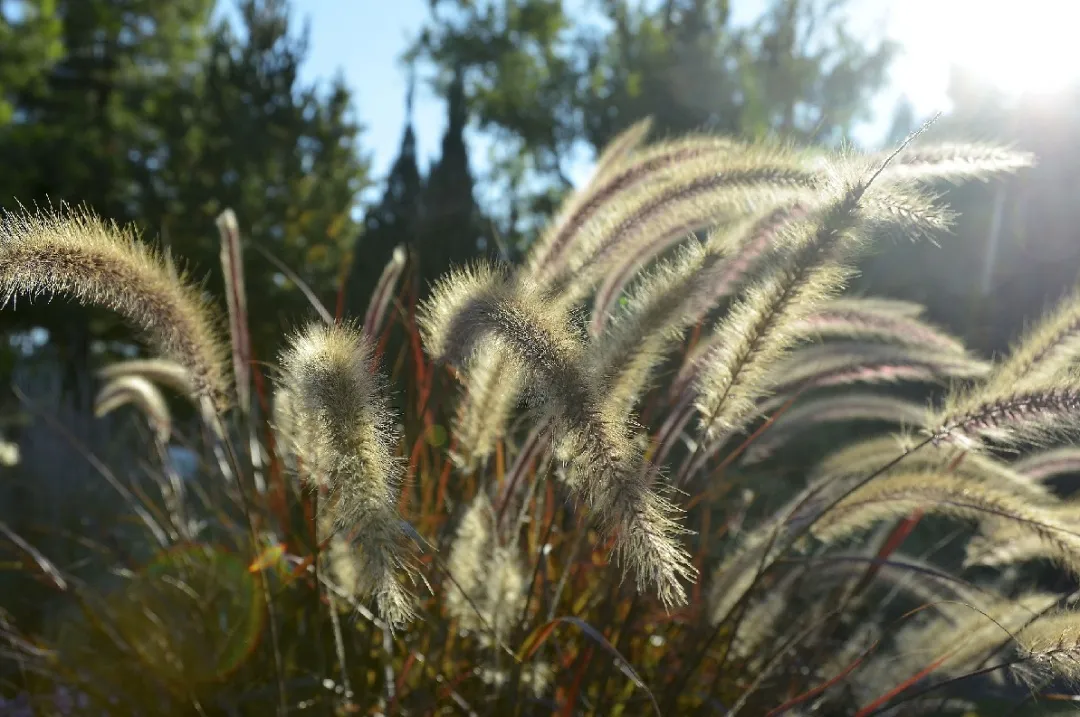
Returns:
(899,494)
(78,255)
(485,589)
(345,440)
(141,393)
(1032,395)
(482,307)
(1051,644)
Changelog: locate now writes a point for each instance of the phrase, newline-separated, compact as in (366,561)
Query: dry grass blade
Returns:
(544,632)
(232,266)
(300,284)
(140,510)
(44,564)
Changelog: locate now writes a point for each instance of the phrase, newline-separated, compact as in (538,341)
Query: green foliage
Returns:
(797,71)
(248,134)
(145,110)
(31,42)
(544,81)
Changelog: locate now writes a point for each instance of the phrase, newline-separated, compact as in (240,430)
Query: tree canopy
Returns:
(549,83)
(154,113)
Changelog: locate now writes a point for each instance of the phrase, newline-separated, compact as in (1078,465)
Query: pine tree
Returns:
(283,154)
(396,219)
(452,232)
(150,114)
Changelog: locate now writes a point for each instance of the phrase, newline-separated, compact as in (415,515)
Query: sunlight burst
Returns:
(1023,49)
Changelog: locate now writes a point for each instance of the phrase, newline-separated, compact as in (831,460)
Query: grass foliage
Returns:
(664,465)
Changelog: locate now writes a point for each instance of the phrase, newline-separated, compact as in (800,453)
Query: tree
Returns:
(246,133)
(436,217)
(548,87)
(395,219)
(152,115)
(83,124)
(453,231)
(521,84)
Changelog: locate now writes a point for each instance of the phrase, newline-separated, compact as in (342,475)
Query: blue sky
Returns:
(364,40)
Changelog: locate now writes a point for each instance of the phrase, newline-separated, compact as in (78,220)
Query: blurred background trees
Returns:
(1016,245)
(154,113)
(551,85)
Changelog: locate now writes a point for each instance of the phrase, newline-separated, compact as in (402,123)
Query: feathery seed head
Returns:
(842,407)
(978,631)
(1012,418)
(81,256)
(384,292)
(844,363)
(144,395)
(451,295)
(515,319)
(617,185)
(850,319)
(957,162)
(336,408)
(156,370)
(622,146)
(1052,643)
(1044,465)
(342,562)
(494,379)
(485,591)
(898,494)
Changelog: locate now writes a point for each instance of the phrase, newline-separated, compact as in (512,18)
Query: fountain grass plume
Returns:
(482,309)
(76,254)
(346,439)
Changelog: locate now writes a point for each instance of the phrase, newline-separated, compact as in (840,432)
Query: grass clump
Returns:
(617,405)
